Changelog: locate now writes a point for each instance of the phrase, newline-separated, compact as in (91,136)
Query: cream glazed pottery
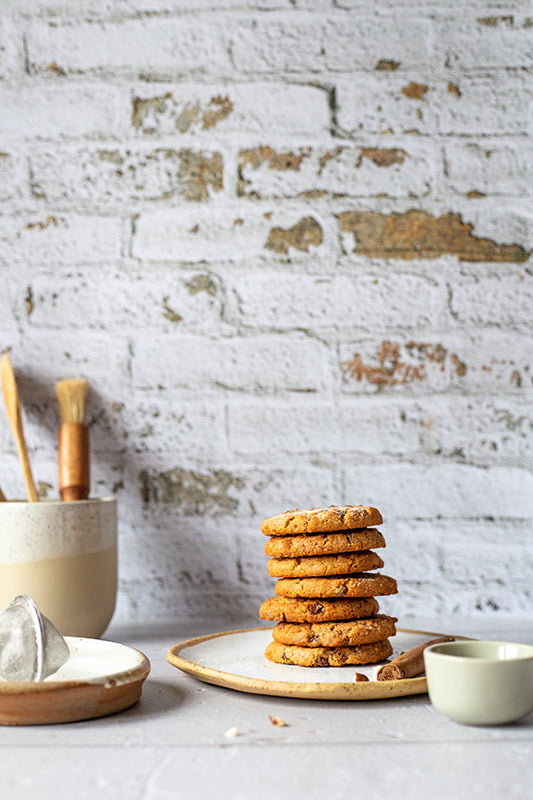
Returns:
(480,682)
(64,556)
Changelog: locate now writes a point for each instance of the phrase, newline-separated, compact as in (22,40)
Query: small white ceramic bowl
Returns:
(480,683)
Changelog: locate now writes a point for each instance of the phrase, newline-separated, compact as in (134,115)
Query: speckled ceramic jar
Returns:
(64,556)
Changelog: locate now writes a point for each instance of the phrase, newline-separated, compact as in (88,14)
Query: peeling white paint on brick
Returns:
(182,188)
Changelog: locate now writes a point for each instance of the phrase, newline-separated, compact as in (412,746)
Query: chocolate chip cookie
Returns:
(294,609)
(317,566)
(344,633)
(322,544)
(321,520)
(357,585)
(328,656)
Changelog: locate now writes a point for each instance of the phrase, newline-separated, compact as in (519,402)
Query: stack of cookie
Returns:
(326,593)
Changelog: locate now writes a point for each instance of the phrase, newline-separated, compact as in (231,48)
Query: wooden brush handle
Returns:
(73,455)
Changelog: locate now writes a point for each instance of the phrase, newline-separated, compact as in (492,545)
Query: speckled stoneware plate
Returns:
(236,660)
(99,678)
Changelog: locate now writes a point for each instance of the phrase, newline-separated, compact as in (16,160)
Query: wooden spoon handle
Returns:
(11,399)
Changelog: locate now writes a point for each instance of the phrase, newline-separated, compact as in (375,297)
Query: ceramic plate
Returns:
(99,678)
(236,660)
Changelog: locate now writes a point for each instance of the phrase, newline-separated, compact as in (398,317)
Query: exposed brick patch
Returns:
(404,364)
(454,89)
(141,108)
(41,226)
(382,157)
(256,157)
(417,234)
(56,69)
(492,22)
(169,312)
(416,91)
(329,155)
(192,492)
(279,161)
(200,173)
(385,65)
(202,283)
(305,234)
(147,113)
(218,109)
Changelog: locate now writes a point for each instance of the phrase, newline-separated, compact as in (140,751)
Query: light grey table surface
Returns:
(172,743)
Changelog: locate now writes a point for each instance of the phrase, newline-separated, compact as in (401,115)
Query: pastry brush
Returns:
(73,439)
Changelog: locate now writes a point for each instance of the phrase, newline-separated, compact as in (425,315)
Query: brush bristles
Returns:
(72,398)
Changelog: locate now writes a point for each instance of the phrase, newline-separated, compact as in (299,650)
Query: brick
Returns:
(486,105)
(146,47)
(503,299)
(7,318)
(340,170)
(121,174)
(262,364)
(388,102)
(488,41)
(60,239)
(497,597)
(378,104)
(9,179)
(305,42)
(191,427)
(171,110)
(52,111)
(247,494)
(286,302)
(480,566)
(454,491)
(495,431)
(417,234)
(91,297)
(11,55)
(489,168)
(392,365)
(487,362)
(283,430)
(410,553)
(142,560)
(222,234)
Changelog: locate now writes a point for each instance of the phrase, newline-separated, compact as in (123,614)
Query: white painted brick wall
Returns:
(206,208)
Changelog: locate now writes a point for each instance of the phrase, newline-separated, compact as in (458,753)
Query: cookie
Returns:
(358,585)
(321,520)
(313,566)
(290,609)
(322,544)
(343,633)
(328,656)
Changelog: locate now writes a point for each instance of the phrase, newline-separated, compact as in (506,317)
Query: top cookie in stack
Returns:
(326,591)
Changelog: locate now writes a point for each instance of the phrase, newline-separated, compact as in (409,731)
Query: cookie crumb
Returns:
(277,721)
(231,732)
(360,678)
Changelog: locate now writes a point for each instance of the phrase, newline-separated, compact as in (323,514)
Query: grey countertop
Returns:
(172,743)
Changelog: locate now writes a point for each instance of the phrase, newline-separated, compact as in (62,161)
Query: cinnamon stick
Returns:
(408,664)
